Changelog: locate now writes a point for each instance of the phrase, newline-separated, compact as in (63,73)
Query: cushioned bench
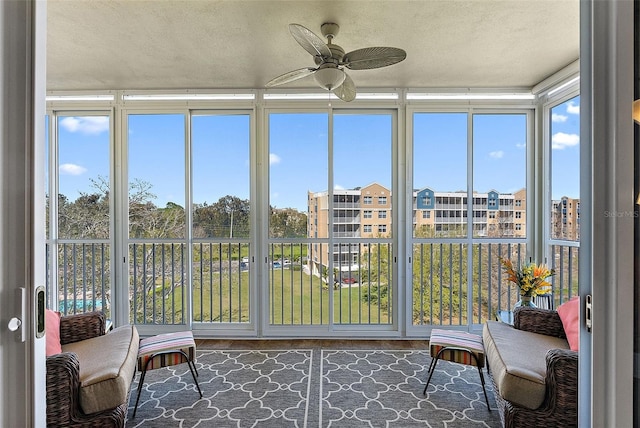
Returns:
(517,362)
(533,369)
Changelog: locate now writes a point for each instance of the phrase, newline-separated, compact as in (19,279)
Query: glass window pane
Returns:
(297,165)
(156,176)
(499,175)
(565,170)
(83,199)
(220,159)
(362,172)
(439,174)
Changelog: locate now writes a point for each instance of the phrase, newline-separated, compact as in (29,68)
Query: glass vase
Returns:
(525,301)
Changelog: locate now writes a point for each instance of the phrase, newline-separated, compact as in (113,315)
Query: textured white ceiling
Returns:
(216,44)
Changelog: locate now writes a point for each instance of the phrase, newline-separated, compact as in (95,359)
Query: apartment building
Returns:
(445,213)
(565,219)
(366,213)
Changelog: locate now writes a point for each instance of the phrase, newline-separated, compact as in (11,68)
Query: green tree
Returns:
(287,223)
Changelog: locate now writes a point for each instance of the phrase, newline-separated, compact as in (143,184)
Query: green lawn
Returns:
(295,299)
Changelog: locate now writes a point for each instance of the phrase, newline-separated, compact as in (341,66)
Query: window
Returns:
(492,214)
(289,185)
(156,175)
(565,169)
(220,147)
(367,200)
(382,200)
(440,165)
(367,228)
(518,214)
(426,214)
(518,202)
(382,228)
(82,281)
(499,166)
(382,214)
(368,214)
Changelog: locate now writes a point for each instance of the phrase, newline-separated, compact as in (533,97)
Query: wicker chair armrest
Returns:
(74,328)
(562,383)
(63,385)
(63,397)
(541,321)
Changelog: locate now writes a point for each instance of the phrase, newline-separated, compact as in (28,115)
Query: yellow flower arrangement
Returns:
(530,278)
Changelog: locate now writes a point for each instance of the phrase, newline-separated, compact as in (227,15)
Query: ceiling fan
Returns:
(331,60)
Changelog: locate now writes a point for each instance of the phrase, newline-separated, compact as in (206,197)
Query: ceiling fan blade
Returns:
(346,91)
(290,77)
(309,41)
(374,57)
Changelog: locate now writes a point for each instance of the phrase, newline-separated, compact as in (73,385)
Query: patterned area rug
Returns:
(239,389)
(384,389)
(305,388)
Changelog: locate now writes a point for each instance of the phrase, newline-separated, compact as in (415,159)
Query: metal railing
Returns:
(442,273)
(358,283)
(157,281)
(221,282)
(83,279)
(449,286)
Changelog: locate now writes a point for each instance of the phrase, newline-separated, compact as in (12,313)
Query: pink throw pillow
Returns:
(52,332)
(570,315)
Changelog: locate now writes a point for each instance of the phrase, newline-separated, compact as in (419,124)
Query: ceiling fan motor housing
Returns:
(330,29)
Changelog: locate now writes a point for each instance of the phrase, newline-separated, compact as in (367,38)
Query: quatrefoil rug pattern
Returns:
(240,389)
(382,388)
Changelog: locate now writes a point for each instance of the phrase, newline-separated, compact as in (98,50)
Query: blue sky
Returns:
(298,153)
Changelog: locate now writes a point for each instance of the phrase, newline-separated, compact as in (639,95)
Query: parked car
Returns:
(348,280)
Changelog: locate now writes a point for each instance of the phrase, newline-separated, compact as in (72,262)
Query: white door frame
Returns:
(607,186)
(22,247)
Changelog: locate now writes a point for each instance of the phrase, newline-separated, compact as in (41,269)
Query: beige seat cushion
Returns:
(517,360)
(107,366)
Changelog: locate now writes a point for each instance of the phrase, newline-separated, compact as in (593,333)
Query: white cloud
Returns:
(572,108)
(560,140)
(521,145)
(338,187)
(90,125)
(559,118)
(274,159)
(72,169)
(498,154)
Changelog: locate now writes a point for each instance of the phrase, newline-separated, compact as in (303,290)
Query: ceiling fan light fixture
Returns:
(329,78)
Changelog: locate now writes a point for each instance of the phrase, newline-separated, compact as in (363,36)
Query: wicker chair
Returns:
(560,406)
(63,378)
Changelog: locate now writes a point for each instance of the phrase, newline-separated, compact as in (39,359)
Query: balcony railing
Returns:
(441,295)
(449,286)
(83,277)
